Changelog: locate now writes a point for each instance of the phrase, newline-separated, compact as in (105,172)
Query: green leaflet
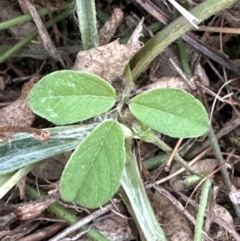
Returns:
(171,111)
(93,172)
(68,96)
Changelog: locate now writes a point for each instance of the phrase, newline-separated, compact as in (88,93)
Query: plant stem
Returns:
(201,211)
(218,154)
(135,198)
(31,36)
(150,137)
(64,214)
(172,32)
(87,23)
(26,17)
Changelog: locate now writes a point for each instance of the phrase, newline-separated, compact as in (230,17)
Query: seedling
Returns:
(93,173)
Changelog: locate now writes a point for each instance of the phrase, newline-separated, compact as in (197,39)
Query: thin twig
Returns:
(82,222)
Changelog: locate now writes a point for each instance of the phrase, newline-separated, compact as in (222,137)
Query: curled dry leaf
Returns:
(204,167)
(18,113)
(223,218)
(110,27)
(114,227)
(32,210)
(109,61)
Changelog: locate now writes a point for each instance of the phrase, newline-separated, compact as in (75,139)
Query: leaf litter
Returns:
(109,61)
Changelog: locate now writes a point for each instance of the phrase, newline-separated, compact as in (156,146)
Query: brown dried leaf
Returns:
(223,218)
(114,227)
(108,61)
(19,113)
(32,210)
(175,225)
(110,27)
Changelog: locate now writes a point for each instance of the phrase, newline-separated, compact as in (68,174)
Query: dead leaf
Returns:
(114,227)
(109,61)
(175,225)
(223,218)
(110,27)
(32,210)
(19,113)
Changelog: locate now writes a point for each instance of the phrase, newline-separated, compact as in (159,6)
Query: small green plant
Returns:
(94,171)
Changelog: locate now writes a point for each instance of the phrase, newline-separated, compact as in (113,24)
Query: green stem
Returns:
(201,211)
(31,36)
(87,23)
(135,198)
(64,214)
(172,32)
(27,17)
(149,136)
(218,154)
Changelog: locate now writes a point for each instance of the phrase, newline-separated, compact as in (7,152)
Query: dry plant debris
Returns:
(114,54)
(18,113)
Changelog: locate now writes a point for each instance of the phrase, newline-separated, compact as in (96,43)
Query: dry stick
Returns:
(47,41)
(180,170)
(82,222)
(218,29)
(43,233)
(168,164)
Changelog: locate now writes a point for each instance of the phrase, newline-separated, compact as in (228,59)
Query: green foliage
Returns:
(171,111)
(67,96)
(93,173)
